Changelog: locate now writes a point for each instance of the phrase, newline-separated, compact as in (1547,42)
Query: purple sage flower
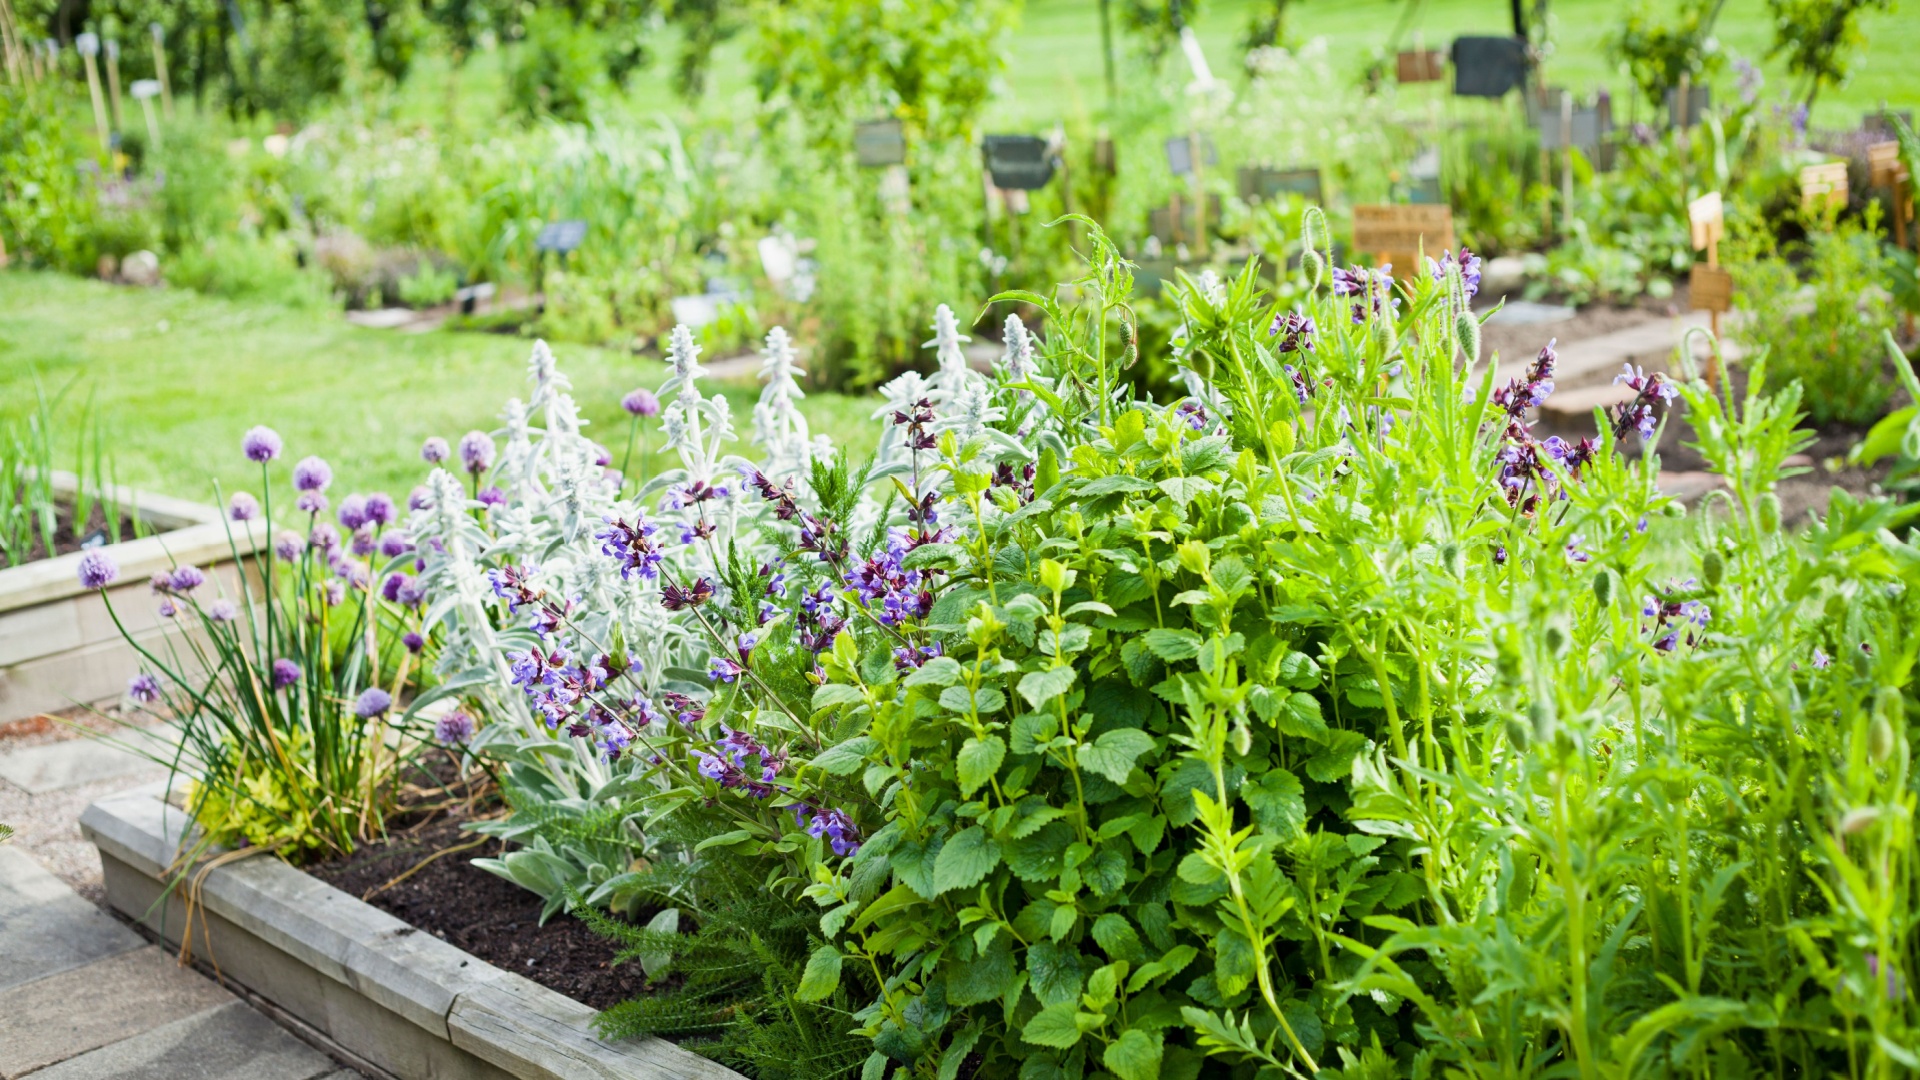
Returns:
(476,452)
(641,402)
(312,474)
(144,688)
(243,507)
(372,702)
(260,444)
(453,729)
(1469,264)
(97,569)
(1295,331)
(285,673)
(434,450)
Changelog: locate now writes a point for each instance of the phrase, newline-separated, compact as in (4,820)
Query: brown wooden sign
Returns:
(1403,229)
(1823,185)
(1710,288)
(1708,218)
(1883,164)
(1421,65)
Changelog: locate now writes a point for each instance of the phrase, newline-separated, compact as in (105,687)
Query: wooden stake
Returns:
(89,45)
(160,68)
(113,83)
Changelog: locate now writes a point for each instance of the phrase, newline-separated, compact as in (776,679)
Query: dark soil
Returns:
(66,538)
(492,918)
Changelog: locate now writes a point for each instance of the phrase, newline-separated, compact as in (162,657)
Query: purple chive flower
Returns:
(312,474)
(311,502)
(363,544)
(420,498)
(288,545)
(413,641)
(260,444)
(243,507)
(353,512)
(390,588)
(285,673)
(144,688)
(641,402)
(335,592)
(222,610)
(491,496)
(453,729)
(1295,331)
(434,450)
(476,452)
(380,509)
(97,569)
(186,578)
(324,537)
(393,545)
(372,702)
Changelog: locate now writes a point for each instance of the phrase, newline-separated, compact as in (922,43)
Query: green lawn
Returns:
(177,378)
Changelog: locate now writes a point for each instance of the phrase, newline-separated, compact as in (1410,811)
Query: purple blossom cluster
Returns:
(1532,468)
(1193,412)
(1469,264)
(1294,330)
(1671,620)
(833,825)
(633,546)
(884,585)
(1372,291)
(1638,415)
(740,762)
(817,535)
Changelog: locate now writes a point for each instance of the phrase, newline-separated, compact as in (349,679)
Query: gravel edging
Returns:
(411,1004)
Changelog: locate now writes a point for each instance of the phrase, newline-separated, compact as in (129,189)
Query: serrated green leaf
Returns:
(1172,645)
(967,857)
(1054,972)
(1112,755)
(978,760)
(1135,1055)
(1040,857)
(845,758)
(1053,1026)
(1040,687)
(822,975)
(1278,802)
(939,671)
(827,695)
(984,978)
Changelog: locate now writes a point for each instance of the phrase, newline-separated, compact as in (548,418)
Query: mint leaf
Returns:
(1112,755)
(1055,971)
(1278,802)
(1135,1055)
(1172,645)
(822,976)
(1040,687)
(979,759)
(965,859)
(1053,1026)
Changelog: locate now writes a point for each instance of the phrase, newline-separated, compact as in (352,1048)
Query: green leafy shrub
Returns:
(245,268)
(1825,332)
(558,69)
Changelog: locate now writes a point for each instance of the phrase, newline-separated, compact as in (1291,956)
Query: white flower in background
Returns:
(548,380)
(1016,363)
(970,412)
(953,372)
(778,428)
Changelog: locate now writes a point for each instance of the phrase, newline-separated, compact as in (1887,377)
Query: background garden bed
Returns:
(59,646)
(404,1001)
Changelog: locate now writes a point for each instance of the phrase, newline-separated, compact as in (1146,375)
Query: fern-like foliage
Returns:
(734,973)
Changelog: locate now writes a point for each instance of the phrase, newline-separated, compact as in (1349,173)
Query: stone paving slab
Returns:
(45,928)
(52,1019)
(38,770)
(227,1042)
(1599,358)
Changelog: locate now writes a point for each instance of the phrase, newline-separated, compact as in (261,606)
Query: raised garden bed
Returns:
(59,648)
(403,1001)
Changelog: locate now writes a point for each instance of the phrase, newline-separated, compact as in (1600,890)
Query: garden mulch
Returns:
(66,538)
(492,918)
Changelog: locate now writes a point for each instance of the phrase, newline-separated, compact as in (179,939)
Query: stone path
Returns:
(45,787)
(83,997)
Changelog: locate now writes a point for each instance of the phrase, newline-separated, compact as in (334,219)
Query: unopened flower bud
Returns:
(1517,733)
(1468,329)
(1887,709)
(1313,264)
(1835,608)
(1556,640)
(1713,569)
(1862,663)
(1545,725)
(1603,587)
(1769,513)
(1450,558)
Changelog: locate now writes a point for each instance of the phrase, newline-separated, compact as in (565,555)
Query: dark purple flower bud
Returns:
(260,444)
(312,474)
(476,452)
(492,496)
(419,498)
(454,729)
(380,509)
(390,588)
(602,456)
(144,688)
(353,512)
(393,545)
(372,702)
(641,402)
(285,673)
(243,507)
(97,569)
(413,641)
(434,450)
(1296,332)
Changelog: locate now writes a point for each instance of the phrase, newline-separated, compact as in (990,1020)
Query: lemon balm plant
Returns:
(276,675)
